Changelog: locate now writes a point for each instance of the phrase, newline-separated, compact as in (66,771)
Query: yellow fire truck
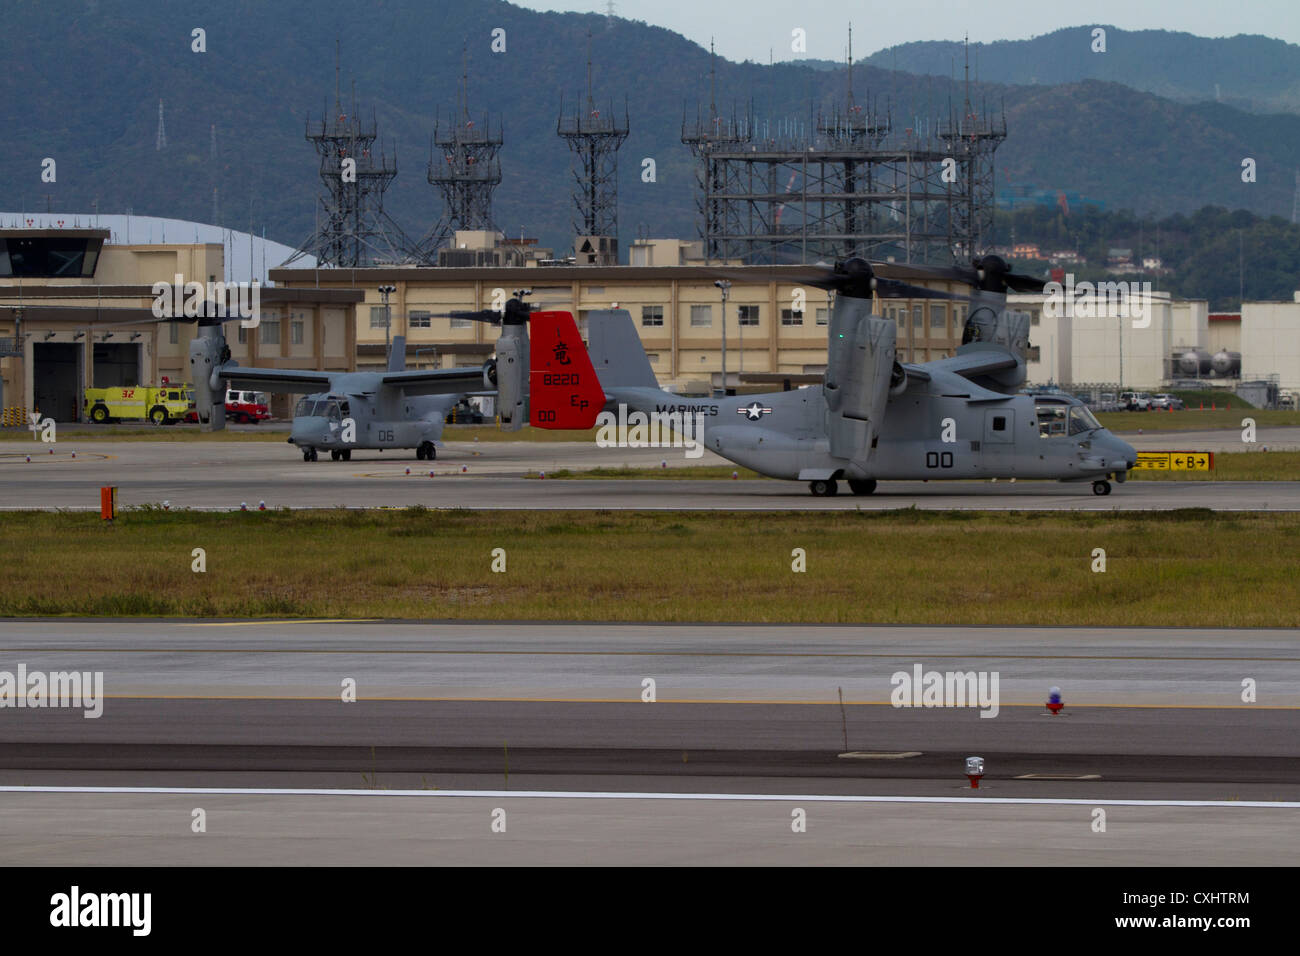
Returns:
(162,406)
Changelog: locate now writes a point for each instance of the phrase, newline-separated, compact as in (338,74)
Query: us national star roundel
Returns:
(753,411)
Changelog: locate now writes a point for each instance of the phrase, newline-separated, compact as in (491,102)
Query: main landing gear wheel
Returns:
(823,489)
(347,454)
(862,486)
(309,454)
(335,454)
(426,451)
(1101,487)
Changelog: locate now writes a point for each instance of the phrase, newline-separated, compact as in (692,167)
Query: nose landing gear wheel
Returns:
(862,486)
(1101,487)
(823,489)
(309,454)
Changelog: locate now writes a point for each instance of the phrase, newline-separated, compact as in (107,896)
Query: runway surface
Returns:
(224,475)
(379,829)
(1151,715)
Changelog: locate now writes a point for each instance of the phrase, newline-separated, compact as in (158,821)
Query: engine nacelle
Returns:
(859,369)
(208,352)
(510,374)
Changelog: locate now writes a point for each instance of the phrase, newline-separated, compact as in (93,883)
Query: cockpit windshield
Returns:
(1082,420)
(316,407)
(1056,419)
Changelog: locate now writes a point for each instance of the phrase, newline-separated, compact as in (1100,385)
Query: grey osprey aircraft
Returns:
(397,408)
(872,418)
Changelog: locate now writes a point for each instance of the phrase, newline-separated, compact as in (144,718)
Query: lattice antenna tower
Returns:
(353,231)
(465,168)
(594,139)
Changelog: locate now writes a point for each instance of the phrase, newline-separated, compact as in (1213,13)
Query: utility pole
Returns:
(725,286)
(385,291)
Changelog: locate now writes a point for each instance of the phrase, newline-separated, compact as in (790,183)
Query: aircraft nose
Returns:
(1122,449)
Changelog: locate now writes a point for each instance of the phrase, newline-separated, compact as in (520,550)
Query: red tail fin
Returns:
(562,388)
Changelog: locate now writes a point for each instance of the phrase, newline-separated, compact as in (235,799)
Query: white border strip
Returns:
(619,795)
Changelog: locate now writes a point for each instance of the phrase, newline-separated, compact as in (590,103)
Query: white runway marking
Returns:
(616,795)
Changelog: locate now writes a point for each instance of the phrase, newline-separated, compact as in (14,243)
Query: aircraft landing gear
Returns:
(346,454)
(1101,487)
(309,454)
(335,454)
(426,451)
(862,486)
(824,489)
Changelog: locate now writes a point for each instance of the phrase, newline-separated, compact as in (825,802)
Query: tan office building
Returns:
(77,312)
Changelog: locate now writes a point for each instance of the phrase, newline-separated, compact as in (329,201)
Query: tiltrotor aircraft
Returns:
(345,411)
(873,418)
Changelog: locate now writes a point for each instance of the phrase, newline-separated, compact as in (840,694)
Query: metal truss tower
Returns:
(594,140)
(972,138)
(843,184)
(352,229)
(713,140)
(466,170)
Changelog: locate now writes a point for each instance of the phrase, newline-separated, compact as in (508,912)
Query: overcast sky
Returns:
(747,29)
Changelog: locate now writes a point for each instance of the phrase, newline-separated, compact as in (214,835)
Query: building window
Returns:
(420,320)
(791,317)
(243,334)
(959,318)
(749,315)
(174,332)
(918,317)
(270,332)
(652,315)
(295,332)
(653,357)
(701,316)
(938,317)
(462,323)
(1033,316)
(377,317)
(823,316)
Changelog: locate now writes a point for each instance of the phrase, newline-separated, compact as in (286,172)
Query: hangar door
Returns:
(117,364)
(57,367)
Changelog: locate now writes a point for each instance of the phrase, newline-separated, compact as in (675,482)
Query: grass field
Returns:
(1235,466)
(1163,568)
(1193,420)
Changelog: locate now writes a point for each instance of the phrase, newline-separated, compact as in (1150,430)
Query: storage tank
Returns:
(1194,362)
(1226,363)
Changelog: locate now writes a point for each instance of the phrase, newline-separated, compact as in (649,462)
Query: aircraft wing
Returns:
(437,381)
(972,364)
(276,379)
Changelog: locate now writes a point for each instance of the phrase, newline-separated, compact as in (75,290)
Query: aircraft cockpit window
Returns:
(303,408)
(1082,420)
(347,409)
(1052,420)
(332,410)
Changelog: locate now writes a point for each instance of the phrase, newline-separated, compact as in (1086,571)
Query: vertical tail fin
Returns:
(397,354)
(563,390)
(616,350)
